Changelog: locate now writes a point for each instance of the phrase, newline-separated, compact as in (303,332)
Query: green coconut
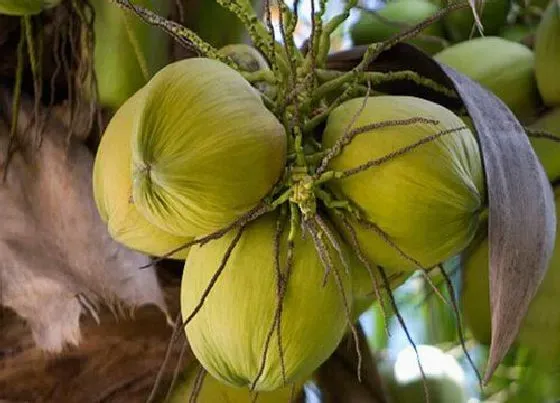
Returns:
(475,297)
(504,67)
(547,55)
(517,32)
(246,56)
(228,334)
(540,330)
(548,150)
(393,18)
(459,23)
(205,148)
(426,201)
(112,189)
(214,391)
(26,7)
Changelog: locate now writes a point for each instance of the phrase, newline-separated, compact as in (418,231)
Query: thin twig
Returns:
(166,358)
(176,371)
(399,152)
(451,292)
(349,135)
(197,387)
(383,235)
(405,329)
(240,222)
(214,277)
(361,257)
(542,134)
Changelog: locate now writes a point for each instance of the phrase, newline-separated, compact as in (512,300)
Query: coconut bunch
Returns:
(296,194)
(187,159)
(518,71)
(514,20)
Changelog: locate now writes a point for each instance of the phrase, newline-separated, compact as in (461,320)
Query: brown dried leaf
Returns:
(522,216)
(57,260)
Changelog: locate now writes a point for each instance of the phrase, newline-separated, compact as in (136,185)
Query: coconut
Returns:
(112,188)
(205,148)
(246,56)
(548,151)
(26,7)
(228,334)
(547,54)
(504,67)
(214,391)
(517,32)
(540,329)
(395,17)
(493,15)
(426,201)
(475,295)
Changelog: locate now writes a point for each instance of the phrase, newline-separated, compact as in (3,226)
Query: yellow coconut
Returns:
(547,54)
(205,148)
(228,334)
(425,201)
(26,7)
(214,391)
(112,188)
(504,67)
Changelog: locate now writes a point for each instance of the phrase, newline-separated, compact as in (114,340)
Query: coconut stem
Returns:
(181,34)
(328,30)
(332,80)
(272,36)
(347,93)
(261,38)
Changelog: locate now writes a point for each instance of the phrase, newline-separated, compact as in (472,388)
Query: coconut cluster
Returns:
(288,235)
